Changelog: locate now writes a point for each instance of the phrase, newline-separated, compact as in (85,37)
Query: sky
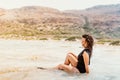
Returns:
(57,4)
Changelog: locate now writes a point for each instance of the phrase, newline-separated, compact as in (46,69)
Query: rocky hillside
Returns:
(103,20)
(36,21)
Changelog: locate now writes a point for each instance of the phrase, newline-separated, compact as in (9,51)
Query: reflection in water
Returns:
(19,59)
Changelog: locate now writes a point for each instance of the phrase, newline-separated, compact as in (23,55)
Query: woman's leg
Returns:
(67,68)
(71,59)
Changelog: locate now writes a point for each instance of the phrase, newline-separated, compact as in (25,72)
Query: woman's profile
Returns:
(80,63)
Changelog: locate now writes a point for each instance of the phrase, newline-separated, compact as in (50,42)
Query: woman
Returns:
(79,64)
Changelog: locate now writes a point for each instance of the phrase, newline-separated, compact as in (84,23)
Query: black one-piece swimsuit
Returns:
(80,65)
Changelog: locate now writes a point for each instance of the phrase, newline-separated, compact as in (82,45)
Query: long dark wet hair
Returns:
(90,42)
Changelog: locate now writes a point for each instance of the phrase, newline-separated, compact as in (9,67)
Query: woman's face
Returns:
(84,43)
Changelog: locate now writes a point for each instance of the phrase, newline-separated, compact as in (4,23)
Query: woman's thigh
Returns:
(73,60)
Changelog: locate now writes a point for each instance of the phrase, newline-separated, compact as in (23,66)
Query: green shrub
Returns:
(71,39)
(43,39)
(115,43)
(103,41)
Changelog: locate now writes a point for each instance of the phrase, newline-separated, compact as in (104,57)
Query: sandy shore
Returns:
(19,59)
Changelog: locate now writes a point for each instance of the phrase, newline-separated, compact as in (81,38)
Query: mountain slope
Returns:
(103,19)
(100,21)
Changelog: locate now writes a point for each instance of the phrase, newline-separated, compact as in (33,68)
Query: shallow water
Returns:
(19,59)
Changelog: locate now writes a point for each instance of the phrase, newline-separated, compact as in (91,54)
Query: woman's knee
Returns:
(60,66)
(69,55)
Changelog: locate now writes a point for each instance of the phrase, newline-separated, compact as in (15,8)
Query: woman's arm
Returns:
(73,55)
(86,61)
